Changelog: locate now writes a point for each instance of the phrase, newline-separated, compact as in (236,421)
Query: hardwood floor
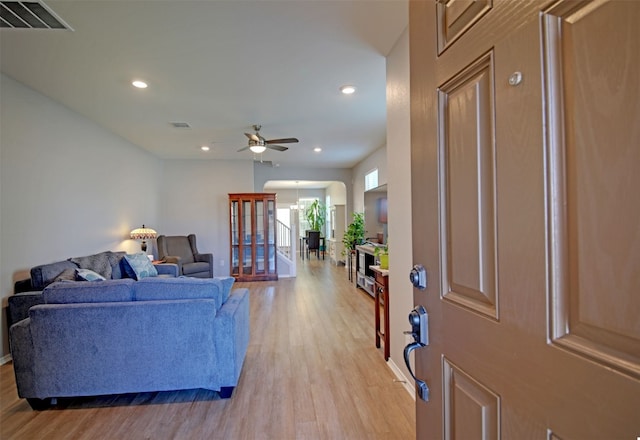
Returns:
(311,372)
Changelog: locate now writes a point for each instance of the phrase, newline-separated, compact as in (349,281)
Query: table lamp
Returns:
(143,234)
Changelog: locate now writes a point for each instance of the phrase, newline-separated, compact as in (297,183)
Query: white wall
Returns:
(68,187)
(194,200)
(377,159)
(399,197)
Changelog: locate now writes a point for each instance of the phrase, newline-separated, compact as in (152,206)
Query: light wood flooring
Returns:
(311,372)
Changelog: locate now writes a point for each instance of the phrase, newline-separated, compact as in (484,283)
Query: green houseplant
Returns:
(316,214)
(382,253)
(354,234)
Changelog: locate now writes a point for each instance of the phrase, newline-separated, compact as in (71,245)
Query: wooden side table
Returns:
(381,295)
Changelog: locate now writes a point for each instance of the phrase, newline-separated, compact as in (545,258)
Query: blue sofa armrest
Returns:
(232,327)
(23,286)
(22,353)
(18,305)
(169,269)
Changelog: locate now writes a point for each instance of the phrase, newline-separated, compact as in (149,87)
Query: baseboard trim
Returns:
(5,359)
(406,383)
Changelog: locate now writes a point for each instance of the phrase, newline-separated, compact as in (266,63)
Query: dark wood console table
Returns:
(381,295)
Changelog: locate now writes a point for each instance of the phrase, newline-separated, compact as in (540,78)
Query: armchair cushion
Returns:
(190,269)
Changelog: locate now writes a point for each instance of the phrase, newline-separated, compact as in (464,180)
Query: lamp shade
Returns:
(143,233)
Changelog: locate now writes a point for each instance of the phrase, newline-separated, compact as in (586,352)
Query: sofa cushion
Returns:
(100,263)
(150,289)
(89,292)
(88,275)
(45,274)
(138,266)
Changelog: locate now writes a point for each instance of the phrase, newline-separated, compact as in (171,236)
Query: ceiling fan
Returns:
(258,144)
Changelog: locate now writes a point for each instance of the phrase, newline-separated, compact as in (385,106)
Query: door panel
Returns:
(526,216)
(470,409)
(466,146)
(595,246)
(456,16)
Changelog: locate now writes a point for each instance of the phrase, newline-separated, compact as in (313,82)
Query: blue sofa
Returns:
(124,336)
(28,292)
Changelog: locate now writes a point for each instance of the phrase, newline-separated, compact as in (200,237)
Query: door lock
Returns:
(418,276)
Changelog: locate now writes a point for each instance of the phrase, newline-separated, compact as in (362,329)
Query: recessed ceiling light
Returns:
(317,149)
(205,148)
(348,90)
(139,84)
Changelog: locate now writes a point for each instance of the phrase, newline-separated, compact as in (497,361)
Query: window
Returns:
(371,180)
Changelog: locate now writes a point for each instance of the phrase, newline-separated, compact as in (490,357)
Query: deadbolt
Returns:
(418,276)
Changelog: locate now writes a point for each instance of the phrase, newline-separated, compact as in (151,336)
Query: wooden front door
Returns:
(526,214)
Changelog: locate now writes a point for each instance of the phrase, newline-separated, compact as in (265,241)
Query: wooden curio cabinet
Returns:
(253,236)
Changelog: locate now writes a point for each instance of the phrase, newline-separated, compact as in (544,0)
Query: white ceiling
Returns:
(220,66)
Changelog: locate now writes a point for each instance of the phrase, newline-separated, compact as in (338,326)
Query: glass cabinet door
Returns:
(271,235)
(260,232)
(247,242)
(235,239)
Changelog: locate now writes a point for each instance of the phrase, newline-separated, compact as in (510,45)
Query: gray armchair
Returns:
(182,251)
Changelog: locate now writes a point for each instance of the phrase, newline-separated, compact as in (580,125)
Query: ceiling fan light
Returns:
(258,148)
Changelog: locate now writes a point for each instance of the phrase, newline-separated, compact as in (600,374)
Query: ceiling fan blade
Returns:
(277,147)
(242,149)
(252,136)
(282,141)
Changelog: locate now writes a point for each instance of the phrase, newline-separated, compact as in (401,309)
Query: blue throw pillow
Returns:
(138,266)
(89,275)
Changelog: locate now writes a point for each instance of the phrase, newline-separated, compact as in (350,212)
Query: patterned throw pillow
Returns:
(138,266)
(89,275)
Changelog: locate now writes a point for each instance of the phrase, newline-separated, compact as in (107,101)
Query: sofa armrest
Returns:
(232,336)
(205,258)
(23,286)
(169,269)
(18,305)
(21,346)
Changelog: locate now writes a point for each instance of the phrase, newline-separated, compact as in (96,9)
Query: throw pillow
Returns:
(67,275)
(89,275)
(100,263)
(138,266)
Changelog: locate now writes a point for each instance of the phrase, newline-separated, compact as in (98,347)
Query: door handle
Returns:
(419,320)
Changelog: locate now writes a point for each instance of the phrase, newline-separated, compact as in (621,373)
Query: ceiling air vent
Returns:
(29,15)
(181,124)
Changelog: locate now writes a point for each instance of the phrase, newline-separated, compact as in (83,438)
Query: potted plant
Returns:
(354,234)
(382,254)
(316,215)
